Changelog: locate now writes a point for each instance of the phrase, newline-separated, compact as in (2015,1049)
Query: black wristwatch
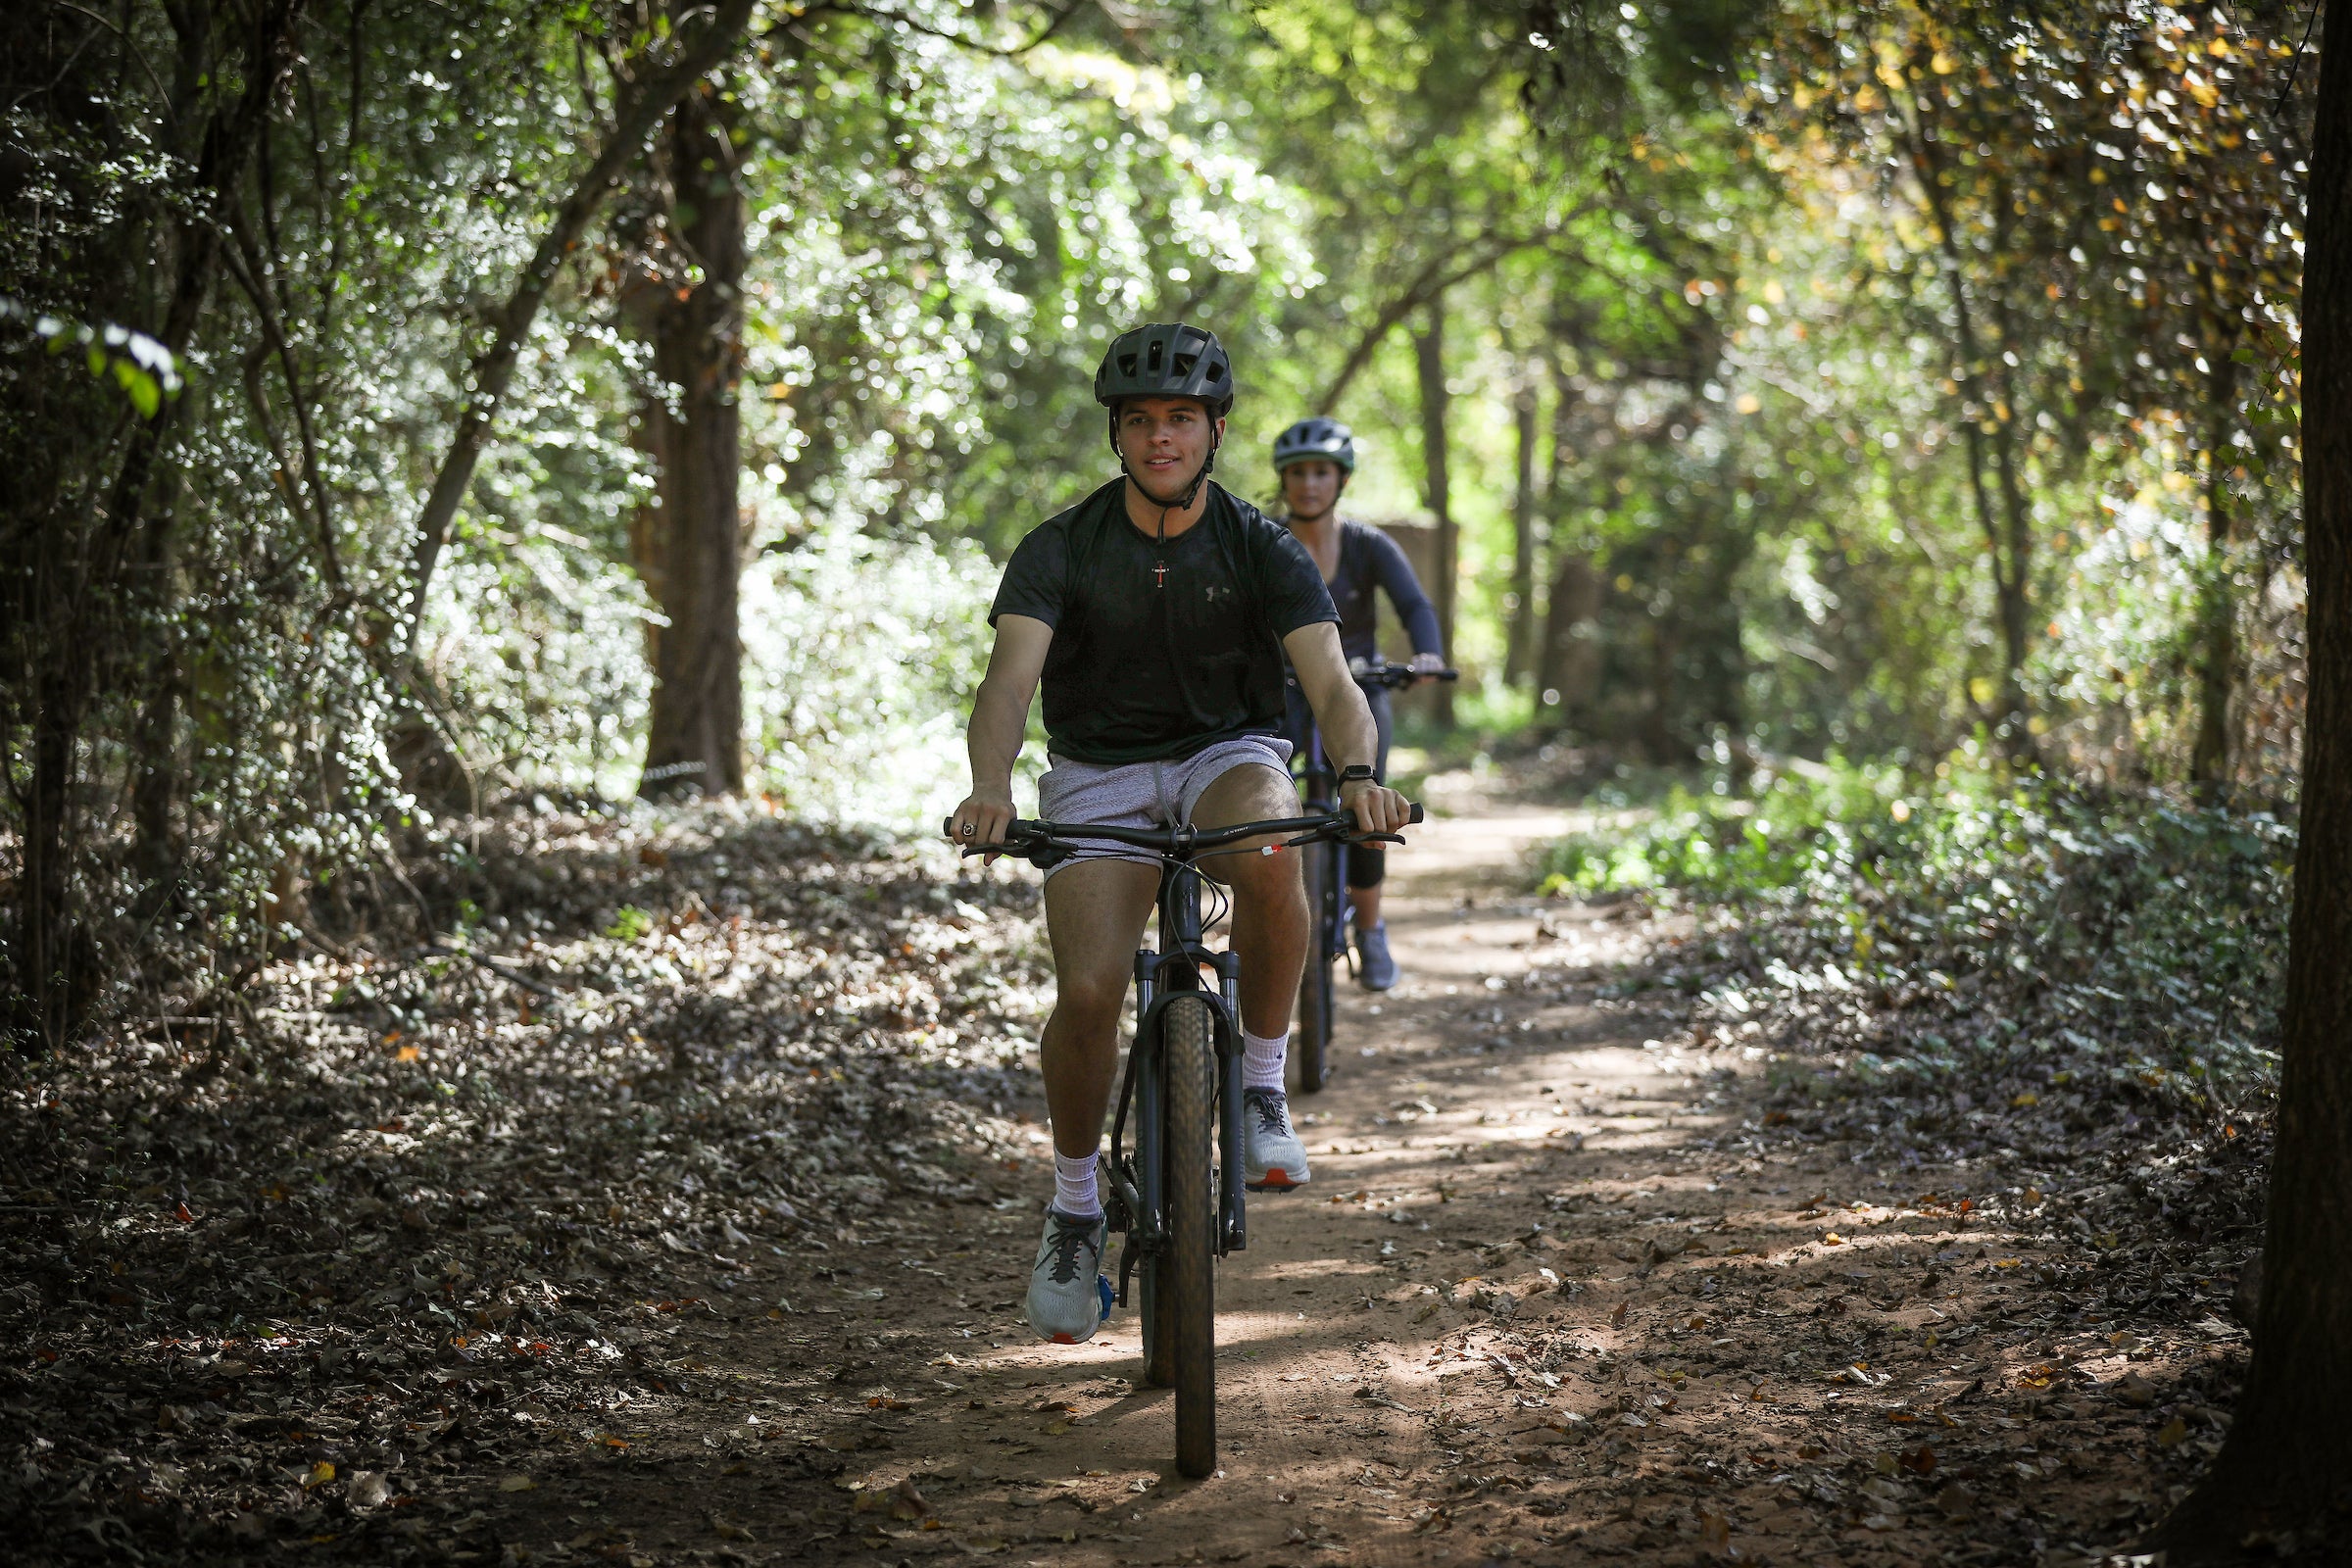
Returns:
(1358,773)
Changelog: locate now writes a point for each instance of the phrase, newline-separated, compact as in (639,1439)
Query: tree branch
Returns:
(634,118)
(965,40)
(229,143)
(1428,285)
(245,265)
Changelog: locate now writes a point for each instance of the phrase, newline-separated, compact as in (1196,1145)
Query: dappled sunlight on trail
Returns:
(1549,1298)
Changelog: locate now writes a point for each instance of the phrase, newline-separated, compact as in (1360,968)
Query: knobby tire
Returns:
(1184,1291)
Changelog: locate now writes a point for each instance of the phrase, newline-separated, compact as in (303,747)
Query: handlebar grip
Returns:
(1414,816)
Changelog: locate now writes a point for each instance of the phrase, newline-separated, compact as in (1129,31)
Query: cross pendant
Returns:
(1159,576)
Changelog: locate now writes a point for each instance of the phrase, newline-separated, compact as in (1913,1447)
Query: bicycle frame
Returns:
(1139,1204)
(1319,792)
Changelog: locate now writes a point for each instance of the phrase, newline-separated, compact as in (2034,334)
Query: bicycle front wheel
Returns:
(1315,984)
(1184,1291)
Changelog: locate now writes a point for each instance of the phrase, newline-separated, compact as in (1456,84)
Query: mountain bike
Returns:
(1326,867)
(1177,1193)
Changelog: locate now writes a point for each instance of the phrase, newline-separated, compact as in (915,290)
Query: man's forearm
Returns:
(993,740)
(1344,717)
(1349,736)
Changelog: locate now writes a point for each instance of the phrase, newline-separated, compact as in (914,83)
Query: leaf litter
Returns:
(414,1232)
(422,1225)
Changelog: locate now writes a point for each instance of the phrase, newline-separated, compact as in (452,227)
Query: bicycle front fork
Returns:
(1233,1230)
(1138,1203)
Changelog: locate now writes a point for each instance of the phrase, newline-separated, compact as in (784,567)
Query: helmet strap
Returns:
(1198,479)
(1192,492)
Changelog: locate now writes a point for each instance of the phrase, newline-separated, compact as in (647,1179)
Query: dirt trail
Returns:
(1534,1304)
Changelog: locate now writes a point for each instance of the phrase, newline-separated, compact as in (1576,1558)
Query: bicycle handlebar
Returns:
(1395,677)
(1024,839)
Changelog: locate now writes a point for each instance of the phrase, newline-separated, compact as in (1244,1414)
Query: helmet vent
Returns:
(1153,354)
(1184,365)
(1216,372)
(1126,364)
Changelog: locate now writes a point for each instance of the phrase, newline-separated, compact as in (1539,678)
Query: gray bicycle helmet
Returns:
(1316,437)
(1166,360)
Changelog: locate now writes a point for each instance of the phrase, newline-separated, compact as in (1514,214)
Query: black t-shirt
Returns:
(1146,666)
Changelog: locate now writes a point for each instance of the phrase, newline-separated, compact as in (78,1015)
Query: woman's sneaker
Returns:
(1068,1297)
(1375,969)
(1273,1160)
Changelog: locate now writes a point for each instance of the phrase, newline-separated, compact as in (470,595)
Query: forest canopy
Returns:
(417,404)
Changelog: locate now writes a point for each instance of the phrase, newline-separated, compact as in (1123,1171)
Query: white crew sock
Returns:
(1261,1060)
(1074,1192)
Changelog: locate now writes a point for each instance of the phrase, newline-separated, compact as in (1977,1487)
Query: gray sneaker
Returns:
(1375,969)
(1068,1297)
(1273,1157)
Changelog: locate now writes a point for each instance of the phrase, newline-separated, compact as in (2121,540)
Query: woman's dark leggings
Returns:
(1366,864)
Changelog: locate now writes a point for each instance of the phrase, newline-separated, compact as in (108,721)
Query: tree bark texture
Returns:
(1520,657)
(689,543)
(2284,1477)
(1429,359)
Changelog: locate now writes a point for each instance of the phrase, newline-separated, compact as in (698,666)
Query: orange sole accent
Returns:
(1063,1339)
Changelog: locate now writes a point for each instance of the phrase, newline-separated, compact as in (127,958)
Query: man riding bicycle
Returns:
(1314,460)
(1157,614)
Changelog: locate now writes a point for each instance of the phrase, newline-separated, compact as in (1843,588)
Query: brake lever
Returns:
(1041,856)
(1373,837)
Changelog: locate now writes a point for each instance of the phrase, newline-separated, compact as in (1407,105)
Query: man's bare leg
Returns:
(1270,929)
(1094,916)
(1270,921)
(1095,913)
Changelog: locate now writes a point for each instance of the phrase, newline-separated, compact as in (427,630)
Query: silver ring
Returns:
(968,830)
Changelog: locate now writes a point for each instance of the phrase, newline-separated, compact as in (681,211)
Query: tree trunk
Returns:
(2285,1473)
(1519,658)
(1429,358)
(2210,762)
(2016,594)
(1991,413)
(85,587)
(2011,606)
(1568,668)
(690,545)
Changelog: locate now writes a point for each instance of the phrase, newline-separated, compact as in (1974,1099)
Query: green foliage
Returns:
(143,370)
(2145,935)
(864,652)
(1720,253)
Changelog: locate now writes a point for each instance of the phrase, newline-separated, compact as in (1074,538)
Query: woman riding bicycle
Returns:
(1157,614)
(1314,460)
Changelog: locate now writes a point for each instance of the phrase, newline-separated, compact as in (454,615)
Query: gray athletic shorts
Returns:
(1144,794)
